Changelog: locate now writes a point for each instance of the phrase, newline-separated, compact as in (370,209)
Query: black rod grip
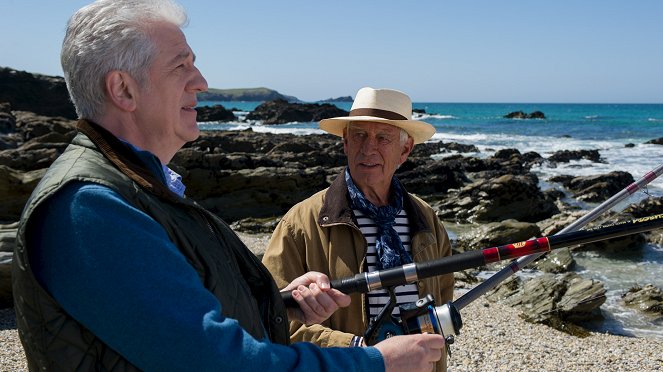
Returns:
(450,264)
(356,284)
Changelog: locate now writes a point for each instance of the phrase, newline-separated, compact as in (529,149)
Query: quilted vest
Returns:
(53,340)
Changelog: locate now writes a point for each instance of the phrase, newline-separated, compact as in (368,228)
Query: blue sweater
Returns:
(113,268)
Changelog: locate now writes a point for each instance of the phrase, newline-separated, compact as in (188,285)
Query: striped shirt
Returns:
(404,293)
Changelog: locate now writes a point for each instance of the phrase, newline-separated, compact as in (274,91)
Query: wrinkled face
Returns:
(374,152)
(166,104)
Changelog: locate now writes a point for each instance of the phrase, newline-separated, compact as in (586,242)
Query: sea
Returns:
(617,131)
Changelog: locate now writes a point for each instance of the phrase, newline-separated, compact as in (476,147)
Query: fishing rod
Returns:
(518,264)
(409,273)
(423,315)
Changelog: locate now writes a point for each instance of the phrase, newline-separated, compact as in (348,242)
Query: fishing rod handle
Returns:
(358,283)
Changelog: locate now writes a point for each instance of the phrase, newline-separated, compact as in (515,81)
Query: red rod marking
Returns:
(507,251)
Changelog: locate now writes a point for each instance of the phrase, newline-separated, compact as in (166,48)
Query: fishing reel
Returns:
(421,316)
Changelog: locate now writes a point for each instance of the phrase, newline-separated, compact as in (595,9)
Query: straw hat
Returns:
(384,106)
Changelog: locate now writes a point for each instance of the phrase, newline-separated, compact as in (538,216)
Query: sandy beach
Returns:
(493,338)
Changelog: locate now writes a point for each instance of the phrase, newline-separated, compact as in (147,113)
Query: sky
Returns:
(520,51)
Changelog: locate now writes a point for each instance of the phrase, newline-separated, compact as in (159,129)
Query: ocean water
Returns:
(618,131)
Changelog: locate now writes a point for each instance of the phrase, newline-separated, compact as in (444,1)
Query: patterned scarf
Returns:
(388,244)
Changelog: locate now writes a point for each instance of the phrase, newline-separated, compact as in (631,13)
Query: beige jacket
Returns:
(321,234)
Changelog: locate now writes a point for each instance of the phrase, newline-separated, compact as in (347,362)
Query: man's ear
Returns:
(122,90)
(406,149)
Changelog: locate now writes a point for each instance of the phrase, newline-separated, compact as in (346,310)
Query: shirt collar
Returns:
(169,177)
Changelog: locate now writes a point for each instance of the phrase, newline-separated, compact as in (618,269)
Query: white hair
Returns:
(111,35)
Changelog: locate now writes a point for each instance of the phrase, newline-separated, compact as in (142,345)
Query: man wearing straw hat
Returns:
(365,221)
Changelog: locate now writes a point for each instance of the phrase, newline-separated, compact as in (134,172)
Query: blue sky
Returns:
(592,51)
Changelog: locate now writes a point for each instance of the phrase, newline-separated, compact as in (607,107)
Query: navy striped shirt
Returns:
(378,298)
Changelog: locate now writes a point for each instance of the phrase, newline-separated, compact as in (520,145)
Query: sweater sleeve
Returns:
(114,270)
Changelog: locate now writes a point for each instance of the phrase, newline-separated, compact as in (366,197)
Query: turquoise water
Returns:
(608,128)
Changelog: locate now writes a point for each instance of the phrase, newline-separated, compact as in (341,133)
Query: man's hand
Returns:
(416,352)
(316,299)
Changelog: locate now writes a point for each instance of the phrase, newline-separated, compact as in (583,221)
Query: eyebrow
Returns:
(183,56)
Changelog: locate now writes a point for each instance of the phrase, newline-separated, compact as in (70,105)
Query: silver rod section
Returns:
(518,264)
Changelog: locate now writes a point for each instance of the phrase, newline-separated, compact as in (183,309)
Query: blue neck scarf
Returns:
(388,244)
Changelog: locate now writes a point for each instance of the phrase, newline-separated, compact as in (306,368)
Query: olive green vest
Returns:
(54,341)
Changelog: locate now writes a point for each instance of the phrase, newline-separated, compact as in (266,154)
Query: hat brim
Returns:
(419,131)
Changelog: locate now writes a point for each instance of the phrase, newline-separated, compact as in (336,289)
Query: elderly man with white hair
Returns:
(365,221)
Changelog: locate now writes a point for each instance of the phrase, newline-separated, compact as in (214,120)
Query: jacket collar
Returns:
(125,159)
(337,209)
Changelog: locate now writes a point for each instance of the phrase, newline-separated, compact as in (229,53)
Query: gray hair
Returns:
(111,35)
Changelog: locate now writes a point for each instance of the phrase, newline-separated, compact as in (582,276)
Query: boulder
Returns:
(658,141)
(495,234)
(214,113)
(281,111)
(597,188)
(522,115)
(559,300)
(647,299)
(15,189)
(565,156)
(498,199)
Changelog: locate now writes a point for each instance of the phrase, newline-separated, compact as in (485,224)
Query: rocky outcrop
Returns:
(281,111)
(496,234)
(214,113)
(596,188)
(523,115)
(498,199)
(559,300)
(658,141)
(565,156)
(647,299)
(41,94)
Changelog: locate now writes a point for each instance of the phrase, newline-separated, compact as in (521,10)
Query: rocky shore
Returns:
(251,179)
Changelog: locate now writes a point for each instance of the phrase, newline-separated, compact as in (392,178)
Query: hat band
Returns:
(384,114)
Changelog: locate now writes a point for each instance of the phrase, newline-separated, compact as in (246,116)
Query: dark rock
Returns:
(214,113)
(647,299)
(516,115)
(255,225)
(15,189)
(536,115)
(658,141)
(496,234)
(41,94)
(559,300)
(557,261)
(595,188)
(523,115)
(7,119)
(432,178)
(281,111)
(498,199)
(564,156)
(646,207)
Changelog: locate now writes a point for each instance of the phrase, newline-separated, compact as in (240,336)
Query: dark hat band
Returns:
(384,114)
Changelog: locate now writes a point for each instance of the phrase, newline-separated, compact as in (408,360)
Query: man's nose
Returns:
(198,83)
(369,145)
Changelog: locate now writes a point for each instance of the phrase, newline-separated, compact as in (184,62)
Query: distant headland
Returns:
(47,95)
